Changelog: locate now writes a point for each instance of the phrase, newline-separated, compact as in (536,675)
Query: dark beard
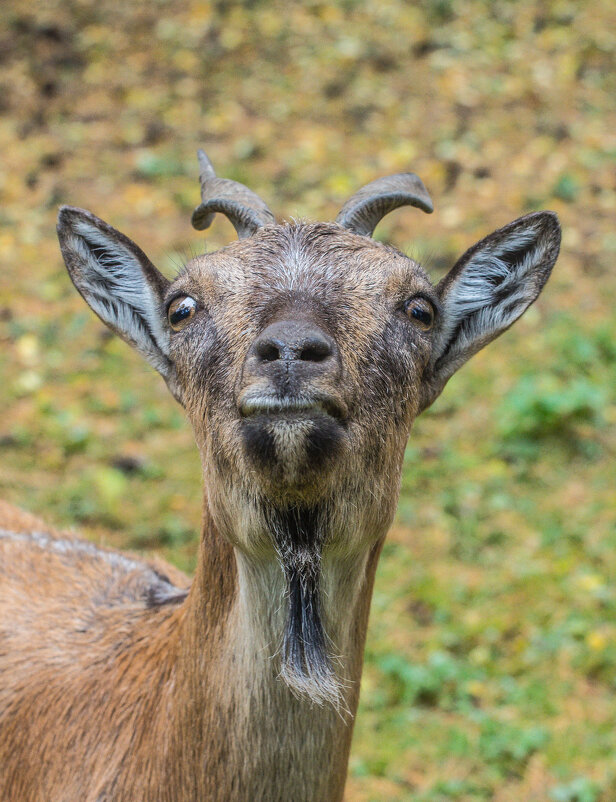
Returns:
(299,533)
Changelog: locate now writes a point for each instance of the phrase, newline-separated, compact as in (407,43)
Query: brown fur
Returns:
(135,695)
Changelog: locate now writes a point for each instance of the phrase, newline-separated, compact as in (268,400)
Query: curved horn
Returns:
(367,206)
(241,205)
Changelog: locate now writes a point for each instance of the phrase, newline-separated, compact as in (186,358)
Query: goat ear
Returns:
(119,283)
(488,289)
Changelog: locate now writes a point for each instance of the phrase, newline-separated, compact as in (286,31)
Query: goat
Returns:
(301,353)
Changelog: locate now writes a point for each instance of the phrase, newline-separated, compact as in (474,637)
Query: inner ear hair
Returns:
(489,288)
(118,281)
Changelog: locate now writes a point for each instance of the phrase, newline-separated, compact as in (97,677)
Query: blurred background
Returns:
(491,659)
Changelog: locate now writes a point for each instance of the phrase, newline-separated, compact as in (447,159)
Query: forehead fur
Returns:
(317,258)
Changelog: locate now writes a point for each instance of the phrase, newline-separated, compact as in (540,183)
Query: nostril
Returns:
(291,341)
(315,350)
(268,350)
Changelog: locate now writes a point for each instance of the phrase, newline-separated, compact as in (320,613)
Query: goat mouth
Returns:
(253,405)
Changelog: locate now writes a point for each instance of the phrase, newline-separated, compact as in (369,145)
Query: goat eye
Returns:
(421,312)
(180,312)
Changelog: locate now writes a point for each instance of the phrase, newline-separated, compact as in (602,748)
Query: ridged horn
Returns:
(242,206)
(367,206)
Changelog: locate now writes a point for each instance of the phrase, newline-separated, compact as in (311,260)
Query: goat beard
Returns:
(307,668)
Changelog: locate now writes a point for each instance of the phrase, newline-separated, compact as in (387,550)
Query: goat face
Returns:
(303,352)
(301,364)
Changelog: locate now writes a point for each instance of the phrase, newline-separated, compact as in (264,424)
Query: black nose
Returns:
(293,341)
